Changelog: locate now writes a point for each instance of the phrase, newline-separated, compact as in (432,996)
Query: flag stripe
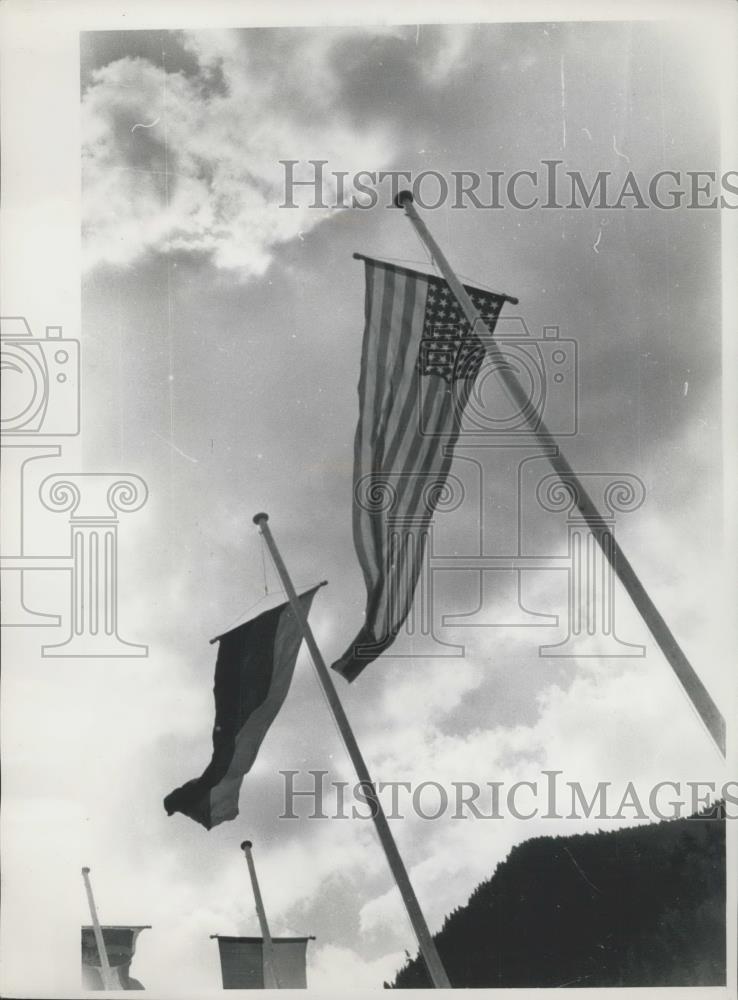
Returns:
(367,401)
(418,352)
(253,671)
(420,455)
(389,301)
(368,526)
(388,305)
(224,796)
(361,543)
(410,502)
(408,433)
(402,313)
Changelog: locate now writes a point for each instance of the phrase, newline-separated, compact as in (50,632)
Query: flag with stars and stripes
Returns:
(419,361)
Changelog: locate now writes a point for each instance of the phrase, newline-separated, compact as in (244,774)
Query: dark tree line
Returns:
(643,906)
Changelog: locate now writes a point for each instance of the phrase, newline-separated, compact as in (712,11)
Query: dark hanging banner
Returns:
(253,673)
(242,962)
(120,945)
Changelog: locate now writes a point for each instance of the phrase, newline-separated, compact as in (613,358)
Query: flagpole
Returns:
(271,981)
(425,941)
(107,976)
(696,691)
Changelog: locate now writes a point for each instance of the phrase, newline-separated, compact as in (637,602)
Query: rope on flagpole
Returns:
(240,619)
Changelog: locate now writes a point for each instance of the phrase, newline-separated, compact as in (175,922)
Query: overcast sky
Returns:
(221,341)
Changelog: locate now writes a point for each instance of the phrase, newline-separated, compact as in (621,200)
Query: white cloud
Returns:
(408,703)
(175,162)
(615,722)
(333,968)
(213,48)
(454,45)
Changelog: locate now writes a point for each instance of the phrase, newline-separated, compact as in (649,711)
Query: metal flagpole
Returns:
(271,980)
(698,694)
(107,976)
(427,946)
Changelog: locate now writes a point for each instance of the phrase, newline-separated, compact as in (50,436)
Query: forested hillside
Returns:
(643,906)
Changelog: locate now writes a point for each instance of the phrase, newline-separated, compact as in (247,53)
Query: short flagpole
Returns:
(696,691)
(271,980)
(107,976)
(427,945)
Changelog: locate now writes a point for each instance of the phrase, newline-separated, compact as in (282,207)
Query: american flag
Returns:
(419,361)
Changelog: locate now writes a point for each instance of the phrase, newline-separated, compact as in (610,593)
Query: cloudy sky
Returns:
(221,338)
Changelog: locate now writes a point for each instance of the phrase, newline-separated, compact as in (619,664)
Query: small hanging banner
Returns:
(120,945)
(242,962)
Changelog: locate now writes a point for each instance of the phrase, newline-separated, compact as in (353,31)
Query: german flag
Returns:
(253,672)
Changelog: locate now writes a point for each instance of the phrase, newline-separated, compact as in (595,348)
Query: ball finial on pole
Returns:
(102,951)
(270,969)
(402,197)
(261,516)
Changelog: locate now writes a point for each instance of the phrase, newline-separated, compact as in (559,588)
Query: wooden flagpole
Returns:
(271,980)
(696,691)
(107,976)
(427,945)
